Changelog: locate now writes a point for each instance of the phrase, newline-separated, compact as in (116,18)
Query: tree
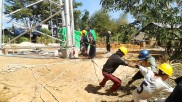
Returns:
(124,30)
(101,22)
(28,16)
(85,20)
(44,39)
(163,11)
(166,12)
(32,15)
(77,15)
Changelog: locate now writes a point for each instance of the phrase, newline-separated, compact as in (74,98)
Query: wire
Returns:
(95,71)
(96,64)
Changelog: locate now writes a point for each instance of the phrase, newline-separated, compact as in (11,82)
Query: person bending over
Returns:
(110,67)
(152,83)
(147,61)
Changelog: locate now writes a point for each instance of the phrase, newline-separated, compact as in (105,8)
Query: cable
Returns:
(95,72)
(96,64)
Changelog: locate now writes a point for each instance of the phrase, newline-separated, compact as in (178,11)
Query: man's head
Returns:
(109,32)
(122,51)
(83,32)
(165,70)
(88,29)
(143,55)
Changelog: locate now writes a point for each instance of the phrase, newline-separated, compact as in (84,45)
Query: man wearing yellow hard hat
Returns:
(110,66)
(152,83)
(83,43)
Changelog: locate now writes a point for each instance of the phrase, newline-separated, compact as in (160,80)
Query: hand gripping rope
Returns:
(94,63)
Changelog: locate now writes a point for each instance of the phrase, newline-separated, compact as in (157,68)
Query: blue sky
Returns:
(94,5)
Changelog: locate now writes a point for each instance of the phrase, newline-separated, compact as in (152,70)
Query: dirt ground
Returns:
(59,80)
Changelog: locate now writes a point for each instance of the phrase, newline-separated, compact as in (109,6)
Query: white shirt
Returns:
(150,85)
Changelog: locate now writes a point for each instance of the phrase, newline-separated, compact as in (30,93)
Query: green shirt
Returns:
(151,61)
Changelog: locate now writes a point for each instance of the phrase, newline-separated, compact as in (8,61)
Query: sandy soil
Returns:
(58,80)
(61,80)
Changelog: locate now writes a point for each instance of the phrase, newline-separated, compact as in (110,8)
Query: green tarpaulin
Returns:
(62,32)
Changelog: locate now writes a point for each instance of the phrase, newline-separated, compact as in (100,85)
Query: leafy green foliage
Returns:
(101,22)
(44,39)
(8,37)
(29,16)
(147,11)
(77,15)
(85,20)
(46,31)
(22,39)
(166,12)
(121,30)
(34,14)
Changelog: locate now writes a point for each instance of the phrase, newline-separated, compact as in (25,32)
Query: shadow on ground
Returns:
(126,90)
(95,90)
(123,89)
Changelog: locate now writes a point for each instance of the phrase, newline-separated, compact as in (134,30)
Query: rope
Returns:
(96,64)
(129,57)
(95,71)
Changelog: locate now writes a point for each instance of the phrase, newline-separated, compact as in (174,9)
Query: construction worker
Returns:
(175,96)
(147,61)
(110,66)
(83,43)
(108,38)
(153,83)
(92,42)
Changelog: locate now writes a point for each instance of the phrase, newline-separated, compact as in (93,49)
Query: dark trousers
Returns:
(115,80)
(92,52)
(108,47)
(137,76)
(84,50)
(175,96)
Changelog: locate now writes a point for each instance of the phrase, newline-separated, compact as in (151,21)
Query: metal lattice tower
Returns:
(66,10)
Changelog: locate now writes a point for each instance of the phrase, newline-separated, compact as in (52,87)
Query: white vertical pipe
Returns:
(1,22)
(68,30)
(51,18)
(72,22)
(62,13)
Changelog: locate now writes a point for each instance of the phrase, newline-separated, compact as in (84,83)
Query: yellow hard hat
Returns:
(81,34)
(123,49)
(166,68)
(84,31)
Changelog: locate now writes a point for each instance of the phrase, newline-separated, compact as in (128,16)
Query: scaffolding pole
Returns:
(51,22)
(25,7)
(1,22)
(68,26)
(33,27)
(62,13)
(38,32)
(48,36)
(72,22)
